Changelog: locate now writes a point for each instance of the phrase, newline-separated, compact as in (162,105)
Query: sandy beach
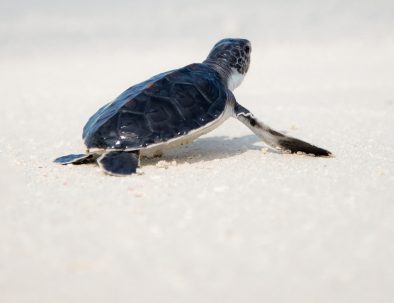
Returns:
(223,219)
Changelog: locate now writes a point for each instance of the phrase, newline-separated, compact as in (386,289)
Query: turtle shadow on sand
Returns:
(208,149)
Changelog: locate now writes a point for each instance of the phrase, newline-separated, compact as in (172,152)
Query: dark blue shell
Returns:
(164,107)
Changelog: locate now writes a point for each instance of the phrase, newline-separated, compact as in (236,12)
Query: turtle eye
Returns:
(247,49)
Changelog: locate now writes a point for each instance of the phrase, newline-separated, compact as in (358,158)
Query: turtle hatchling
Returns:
(174,108)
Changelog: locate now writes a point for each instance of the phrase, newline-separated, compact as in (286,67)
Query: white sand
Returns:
(227,221)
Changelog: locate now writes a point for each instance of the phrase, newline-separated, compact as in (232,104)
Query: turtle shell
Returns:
(164,107)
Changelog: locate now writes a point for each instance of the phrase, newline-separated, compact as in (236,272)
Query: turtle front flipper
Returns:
(274,138)
(119,163)
(76,159)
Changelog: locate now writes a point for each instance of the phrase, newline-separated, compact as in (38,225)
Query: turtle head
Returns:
(231,58)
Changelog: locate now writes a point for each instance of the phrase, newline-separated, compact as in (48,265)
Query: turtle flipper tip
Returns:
(74,159)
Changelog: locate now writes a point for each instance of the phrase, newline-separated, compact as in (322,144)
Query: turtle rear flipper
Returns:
(76,159)
(119,163)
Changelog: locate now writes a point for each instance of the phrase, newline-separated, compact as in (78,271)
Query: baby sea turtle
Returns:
(174,108)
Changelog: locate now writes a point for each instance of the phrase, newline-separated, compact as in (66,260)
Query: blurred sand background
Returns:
(228,222)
